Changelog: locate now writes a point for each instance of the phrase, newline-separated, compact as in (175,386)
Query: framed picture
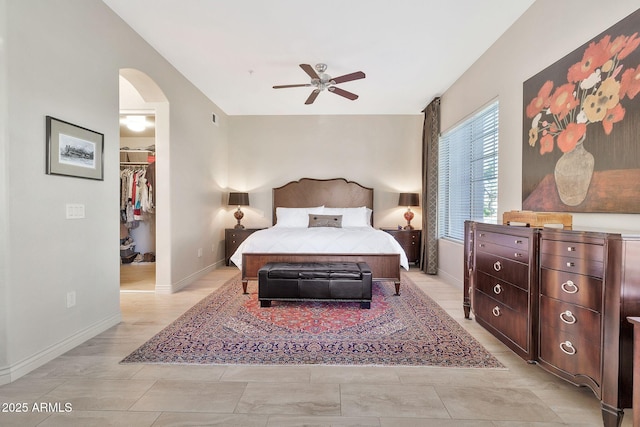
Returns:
(73,150)
(581,117)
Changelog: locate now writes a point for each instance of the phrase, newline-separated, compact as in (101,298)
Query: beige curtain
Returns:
(430,134)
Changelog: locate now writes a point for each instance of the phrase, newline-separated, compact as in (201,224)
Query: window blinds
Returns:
(468,173)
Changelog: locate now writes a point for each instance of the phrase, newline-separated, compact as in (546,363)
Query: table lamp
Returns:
(408,200)
(238,199)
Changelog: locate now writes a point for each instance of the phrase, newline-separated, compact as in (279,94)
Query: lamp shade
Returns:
(238,199)
(408,199)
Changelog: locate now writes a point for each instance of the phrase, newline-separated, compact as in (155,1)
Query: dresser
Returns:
(636,368)
(410,242)
(233,237)
(505,285)
(589,284)
(585,284)
(467,273)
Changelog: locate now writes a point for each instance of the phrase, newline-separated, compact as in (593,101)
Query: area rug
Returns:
(228,327)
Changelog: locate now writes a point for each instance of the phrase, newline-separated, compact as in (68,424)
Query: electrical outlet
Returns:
(71,299)
(199,252)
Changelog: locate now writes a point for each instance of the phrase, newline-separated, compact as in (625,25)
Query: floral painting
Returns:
(581,127)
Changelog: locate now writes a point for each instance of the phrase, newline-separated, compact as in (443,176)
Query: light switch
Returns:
(75,211)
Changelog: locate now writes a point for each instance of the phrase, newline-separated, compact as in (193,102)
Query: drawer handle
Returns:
(571,249)
(497,289)
(517,255)
(496,311)
(497,266)
(568,348)
(569,287)
(518,242)
(571,264)
(481,234)
(481,245)
(568,317)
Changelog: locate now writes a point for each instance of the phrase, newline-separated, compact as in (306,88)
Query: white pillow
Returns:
(351,217)
(369,213)
(295,217)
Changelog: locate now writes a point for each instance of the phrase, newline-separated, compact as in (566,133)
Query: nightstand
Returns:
(410,242)
(233,237)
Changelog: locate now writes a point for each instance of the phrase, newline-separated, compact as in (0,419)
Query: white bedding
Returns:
(355,240)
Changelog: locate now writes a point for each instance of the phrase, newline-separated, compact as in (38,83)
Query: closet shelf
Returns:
(137,157)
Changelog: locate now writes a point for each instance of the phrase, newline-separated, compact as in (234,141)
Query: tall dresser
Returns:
(587,283)
(505,285)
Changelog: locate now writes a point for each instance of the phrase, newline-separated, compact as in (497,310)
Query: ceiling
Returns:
(234,51)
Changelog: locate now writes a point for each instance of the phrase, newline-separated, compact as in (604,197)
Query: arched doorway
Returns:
(141,96)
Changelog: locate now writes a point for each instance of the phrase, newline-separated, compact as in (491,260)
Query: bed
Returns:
(265,245)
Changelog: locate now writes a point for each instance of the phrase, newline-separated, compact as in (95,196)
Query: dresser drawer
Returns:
(516,254)
(512,324)
(570,353)
(503,269)
(572,249)
(514,297)
(579,321)
(573,288)
(574,257)
(515,242)
(584,266)
(406,237)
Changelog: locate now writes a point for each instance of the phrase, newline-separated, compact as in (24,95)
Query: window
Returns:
(468,173)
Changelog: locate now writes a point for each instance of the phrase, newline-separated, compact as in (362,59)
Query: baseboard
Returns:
(452,280)
(192,278)
(15,371)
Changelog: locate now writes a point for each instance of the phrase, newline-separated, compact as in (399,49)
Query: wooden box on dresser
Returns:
(502,286)
(589,284)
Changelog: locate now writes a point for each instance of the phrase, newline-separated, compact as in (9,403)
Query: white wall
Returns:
(545,33)
(63,59)
(4,180)
(383,152)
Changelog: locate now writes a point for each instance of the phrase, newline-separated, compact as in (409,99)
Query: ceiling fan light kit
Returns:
(321,81)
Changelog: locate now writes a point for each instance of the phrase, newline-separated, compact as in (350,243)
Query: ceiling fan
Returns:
(321,81)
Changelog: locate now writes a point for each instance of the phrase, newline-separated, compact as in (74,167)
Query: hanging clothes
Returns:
(136,195)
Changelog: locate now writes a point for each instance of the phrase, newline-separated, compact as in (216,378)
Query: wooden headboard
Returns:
(332,193)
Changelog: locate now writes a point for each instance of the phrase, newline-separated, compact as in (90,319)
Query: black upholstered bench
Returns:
(310,281)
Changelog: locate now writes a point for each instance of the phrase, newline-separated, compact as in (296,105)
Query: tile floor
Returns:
(100,392)
(138,277)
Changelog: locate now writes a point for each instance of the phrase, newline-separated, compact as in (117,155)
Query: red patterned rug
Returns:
(228,327)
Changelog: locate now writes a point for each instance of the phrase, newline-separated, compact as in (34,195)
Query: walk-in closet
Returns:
(137,202)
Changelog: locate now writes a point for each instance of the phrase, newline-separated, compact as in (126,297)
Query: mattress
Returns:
(320,240)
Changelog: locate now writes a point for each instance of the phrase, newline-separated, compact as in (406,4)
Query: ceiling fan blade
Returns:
(285,86)
(312,97)
(309,70)
(348,77)
(342,92)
